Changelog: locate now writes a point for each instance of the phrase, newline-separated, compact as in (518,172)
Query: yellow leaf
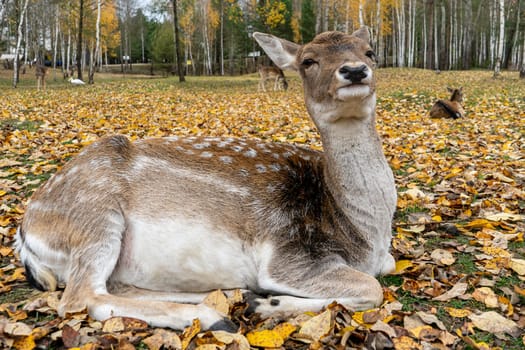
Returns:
(190,332)
(402,265)
(417,330)
(453,172)
(25,343)
(437,218)
(265,338)
(457,312)
(405,343)
(285,329)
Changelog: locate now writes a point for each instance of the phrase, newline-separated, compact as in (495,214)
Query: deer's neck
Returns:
(358,175)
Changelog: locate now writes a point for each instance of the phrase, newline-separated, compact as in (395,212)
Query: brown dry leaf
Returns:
(114,324)
(163,338)
(70,337)
(486,295)
(493,322)
(218,301)
(457,290)
(119,324)
(229,338)
(406,343)
(518,266)
(17,329)
(317,327)
(442,257)
(381,326)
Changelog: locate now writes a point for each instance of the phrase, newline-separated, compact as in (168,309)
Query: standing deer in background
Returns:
(449,109)
(272,74)
(40,73)
(146,229)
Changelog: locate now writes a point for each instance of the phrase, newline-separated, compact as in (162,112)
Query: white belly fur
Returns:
(182,255)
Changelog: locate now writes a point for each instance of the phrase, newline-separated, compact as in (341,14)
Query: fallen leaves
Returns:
(459,226)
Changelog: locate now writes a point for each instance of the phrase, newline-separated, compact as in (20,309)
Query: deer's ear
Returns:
(363,33)
(281,52)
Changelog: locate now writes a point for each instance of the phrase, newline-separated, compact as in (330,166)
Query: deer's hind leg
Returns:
(87,288)
(312,285)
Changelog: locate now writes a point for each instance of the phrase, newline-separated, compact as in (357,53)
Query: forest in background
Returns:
(215,36)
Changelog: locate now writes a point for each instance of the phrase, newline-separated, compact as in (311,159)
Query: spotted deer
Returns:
(146,229)
(270,73)
(40,73)
(449,108)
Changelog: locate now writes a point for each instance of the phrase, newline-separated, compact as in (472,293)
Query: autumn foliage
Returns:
(458,230)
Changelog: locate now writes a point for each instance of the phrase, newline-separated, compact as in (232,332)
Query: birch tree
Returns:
(94,59)
(497,66)
(18,43)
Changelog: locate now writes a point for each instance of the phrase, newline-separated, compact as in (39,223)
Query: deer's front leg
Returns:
(314,288)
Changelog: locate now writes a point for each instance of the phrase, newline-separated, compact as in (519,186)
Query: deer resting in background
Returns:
(449,108)
(146,229)
(272,74)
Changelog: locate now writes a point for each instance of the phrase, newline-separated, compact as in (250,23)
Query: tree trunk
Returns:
(16,62)
(497,66)
(178,52)
(430,33)
(94,58)
(79,42)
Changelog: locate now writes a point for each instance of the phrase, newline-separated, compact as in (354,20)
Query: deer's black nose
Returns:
(354,74)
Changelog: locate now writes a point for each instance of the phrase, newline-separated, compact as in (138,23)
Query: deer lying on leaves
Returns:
(449,109)
(272,74)
(146,229)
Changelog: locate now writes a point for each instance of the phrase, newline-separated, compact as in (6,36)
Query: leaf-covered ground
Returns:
(458,231)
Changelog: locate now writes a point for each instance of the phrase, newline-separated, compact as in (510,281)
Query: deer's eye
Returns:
(307,62)
(371,54)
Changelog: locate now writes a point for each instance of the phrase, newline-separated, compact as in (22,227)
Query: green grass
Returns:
(465,263)
(17,124)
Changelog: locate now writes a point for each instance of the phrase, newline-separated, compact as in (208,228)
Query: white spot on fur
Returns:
(251,153)
(276,156)
(287,154)
(275,167)
(260,168)
(244,172)
(226,159)
(190,139)
(206,154)
(237,148)
(201,145)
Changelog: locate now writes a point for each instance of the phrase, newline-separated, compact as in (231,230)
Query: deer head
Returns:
(336,70)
